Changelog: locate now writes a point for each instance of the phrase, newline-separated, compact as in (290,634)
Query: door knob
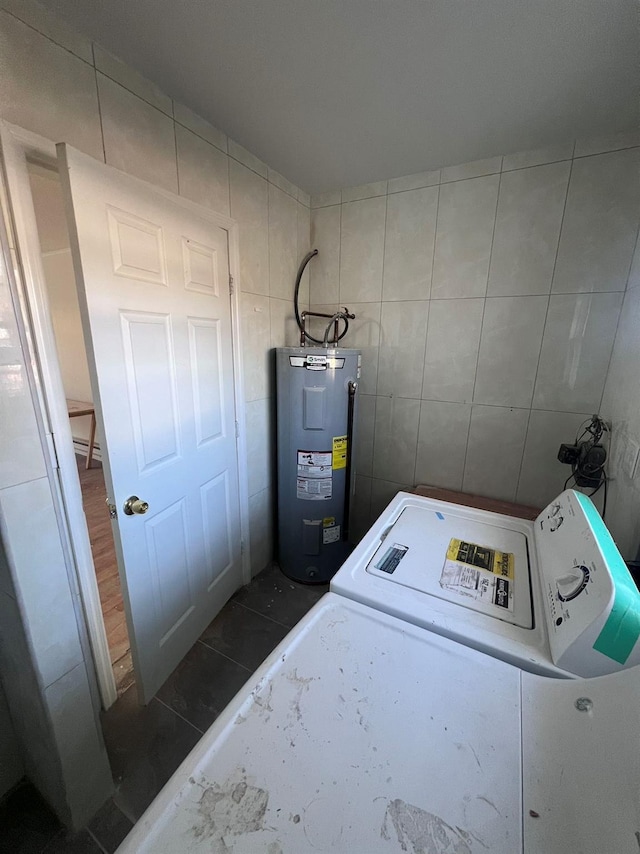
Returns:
(135,505)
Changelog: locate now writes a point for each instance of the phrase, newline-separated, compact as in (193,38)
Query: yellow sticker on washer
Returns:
(339,452)
(491,560)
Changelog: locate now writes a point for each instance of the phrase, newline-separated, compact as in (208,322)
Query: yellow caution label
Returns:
(482,557)
(339,452)
(328,521)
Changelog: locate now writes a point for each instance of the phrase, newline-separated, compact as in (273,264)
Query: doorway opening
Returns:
(72,358)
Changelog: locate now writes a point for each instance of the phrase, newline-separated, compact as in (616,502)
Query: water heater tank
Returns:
(317,407)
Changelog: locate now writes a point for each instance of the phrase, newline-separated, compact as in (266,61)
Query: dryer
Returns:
(552,596)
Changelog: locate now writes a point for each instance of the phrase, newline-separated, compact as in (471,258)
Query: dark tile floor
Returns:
(147,743)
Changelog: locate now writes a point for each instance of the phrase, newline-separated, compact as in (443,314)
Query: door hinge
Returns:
(241,547)
(237,430)
(113,510)
(231,285)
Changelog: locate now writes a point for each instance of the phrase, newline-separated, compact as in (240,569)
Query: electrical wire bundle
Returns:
(589,464)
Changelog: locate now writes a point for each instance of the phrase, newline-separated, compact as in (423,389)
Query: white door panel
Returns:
(153,284)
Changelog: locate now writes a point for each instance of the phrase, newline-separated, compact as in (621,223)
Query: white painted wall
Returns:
(487,297)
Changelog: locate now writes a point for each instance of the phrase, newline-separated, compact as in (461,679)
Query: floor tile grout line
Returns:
(266,616)
(228,657)
(178,715)
(253,610)
(96,840)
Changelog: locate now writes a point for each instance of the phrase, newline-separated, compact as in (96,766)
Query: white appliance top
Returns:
(359,734)
(362,734)
(551,596)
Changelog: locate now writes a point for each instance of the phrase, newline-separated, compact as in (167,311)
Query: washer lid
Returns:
(478,565)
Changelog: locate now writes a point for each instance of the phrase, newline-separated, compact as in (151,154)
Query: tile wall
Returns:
(621,405)
(487,298)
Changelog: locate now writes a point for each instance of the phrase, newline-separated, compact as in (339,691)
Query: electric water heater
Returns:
(317,406)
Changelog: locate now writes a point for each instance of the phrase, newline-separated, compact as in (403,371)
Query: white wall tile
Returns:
(408,248)
(364,334)
(284,329)
(414,182)
(600,223)
(542,476)
(382,492)
(239,153)
(35,73)
(577,344)
(362,247)
(509,350)
(324,269)
(79,741)
(494,452)
(21,456)
(45,597)
(364,191)
(304,198)
(538,156)
(52,26)
(360,520)
(203,171)
(396,437)
(475,169)
(620,406)
(634,272)
(530,207)
(282,183)
(186,117)
(323,200)
(138,138)
(365,423)
(260,530)
(451,356)
(256,331)
(303,246)
(128,77)
(442,443)
(283,243)
(250,208)
(466,216)
(611,142)
(402,345)
(259,445)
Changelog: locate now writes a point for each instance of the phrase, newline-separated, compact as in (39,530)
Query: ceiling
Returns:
(334,93)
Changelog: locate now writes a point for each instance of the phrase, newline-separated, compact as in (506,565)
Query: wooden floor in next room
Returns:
(94,499)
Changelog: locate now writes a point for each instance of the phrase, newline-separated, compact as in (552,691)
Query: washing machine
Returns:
(552,596)
(365,734)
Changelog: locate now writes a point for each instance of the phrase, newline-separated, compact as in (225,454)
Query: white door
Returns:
(153,283)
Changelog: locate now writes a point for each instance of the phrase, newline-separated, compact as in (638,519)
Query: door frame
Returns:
(18,147)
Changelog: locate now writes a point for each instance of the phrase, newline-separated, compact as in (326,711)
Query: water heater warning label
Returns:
(315,479)
(314,488)
(339,452)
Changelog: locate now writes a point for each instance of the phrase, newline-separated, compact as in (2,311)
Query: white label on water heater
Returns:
(314,488)
(314,462)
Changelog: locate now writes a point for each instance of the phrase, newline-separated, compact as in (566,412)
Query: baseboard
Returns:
(81,448)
